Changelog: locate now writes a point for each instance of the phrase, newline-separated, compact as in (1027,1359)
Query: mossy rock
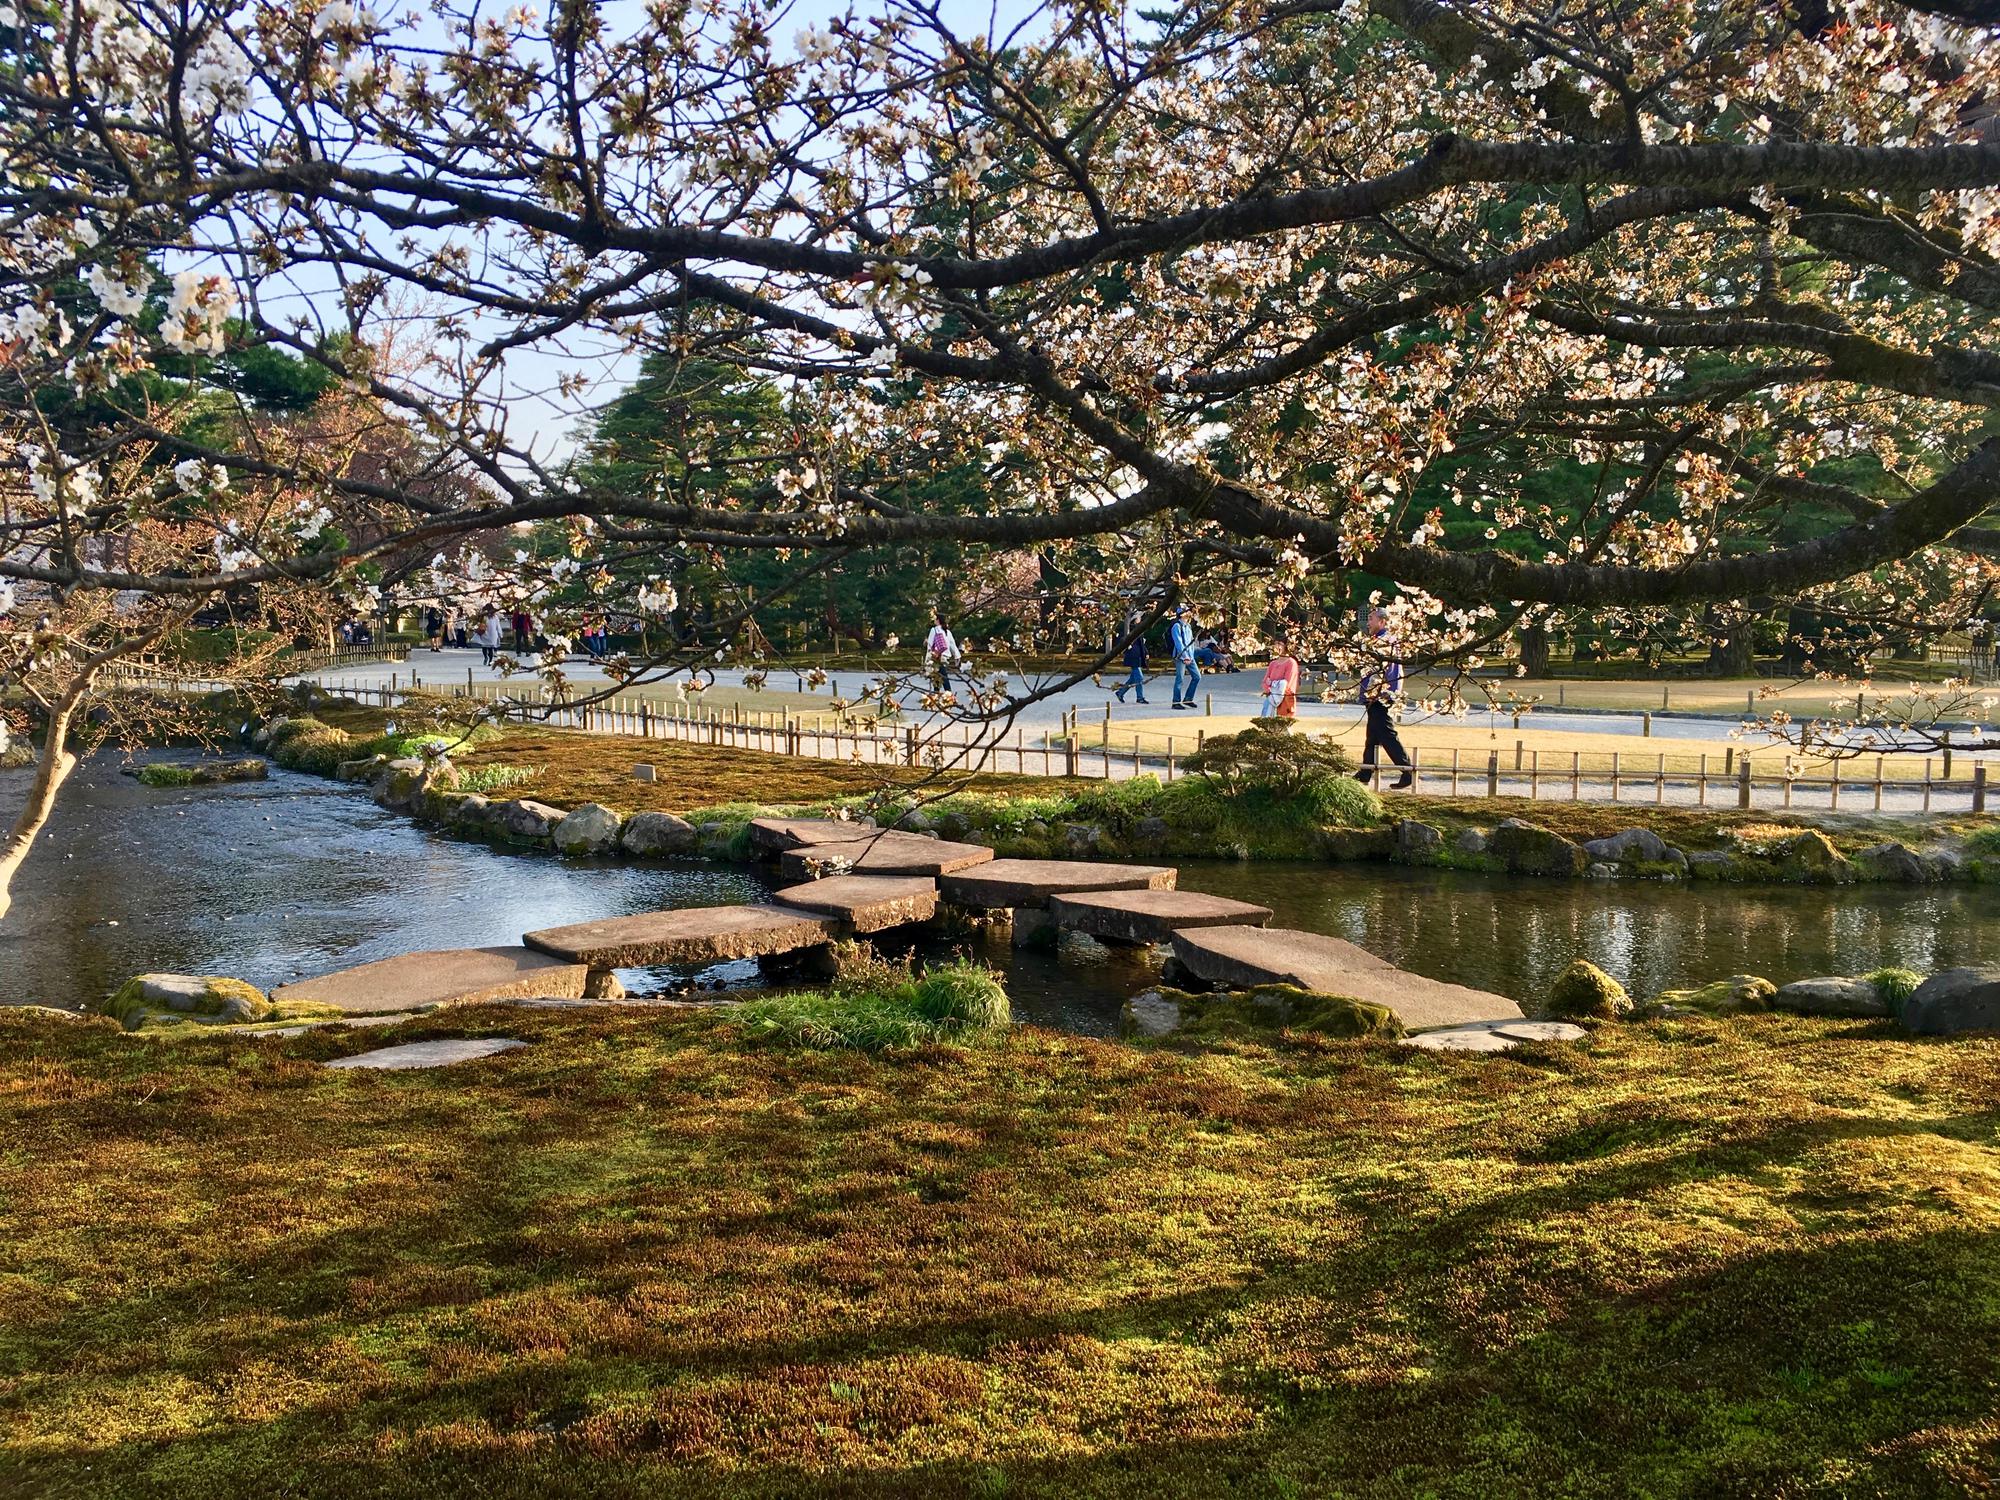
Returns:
(439,806)
(1255,1014)
(211,1000)
(1585,992)
(1343,844)
(1529,849)
(1809,858)
(1739,994)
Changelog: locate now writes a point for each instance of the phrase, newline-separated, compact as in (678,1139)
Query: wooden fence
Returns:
(1732,780)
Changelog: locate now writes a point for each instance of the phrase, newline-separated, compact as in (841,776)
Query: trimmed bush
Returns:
(1270,757)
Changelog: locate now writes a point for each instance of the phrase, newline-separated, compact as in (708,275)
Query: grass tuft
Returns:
(954,1002)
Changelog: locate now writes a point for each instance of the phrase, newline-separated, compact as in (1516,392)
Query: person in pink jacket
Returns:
(1281,682)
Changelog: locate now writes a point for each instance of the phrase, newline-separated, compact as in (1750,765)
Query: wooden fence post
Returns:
(1493,773)
(1979,787)
(1743,783)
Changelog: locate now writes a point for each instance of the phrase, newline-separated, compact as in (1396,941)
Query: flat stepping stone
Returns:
(1494,1036)
(1242,957)
(885,854)
(450,976)
(428,1054)
(866,903)
(1031,882)
(775,835)
(693,935)
(1150,916)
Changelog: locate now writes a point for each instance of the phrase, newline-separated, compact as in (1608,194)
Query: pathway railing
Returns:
(1943,782)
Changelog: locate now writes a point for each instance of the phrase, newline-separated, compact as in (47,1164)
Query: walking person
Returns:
(1381,686)
(1181,637)
(434,626)
(489,635)
(1135,659)
(524,625)
(1281,682)
(461,628)
(941,649)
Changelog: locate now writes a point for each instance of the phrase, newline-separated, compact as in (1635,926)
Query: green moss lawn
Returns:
(645,1257)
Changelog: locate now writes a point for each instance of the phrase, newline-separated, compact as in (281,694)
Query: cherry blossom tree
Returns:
(1289,302)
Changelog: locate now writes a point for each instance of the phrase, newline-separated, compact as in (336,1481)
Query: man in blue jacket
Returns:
(1381,686)
(1180,646)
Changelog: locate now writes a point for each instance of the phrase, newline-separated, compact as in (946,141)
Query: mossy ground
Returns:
(640,1257)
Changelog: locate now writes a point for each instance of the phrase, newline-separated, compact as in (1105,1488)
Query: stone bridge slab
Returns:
(775,835)
(1031,882)
(866,903)
(1239,957)
(451,976)
(692,935)
(886,854)
(1150,916)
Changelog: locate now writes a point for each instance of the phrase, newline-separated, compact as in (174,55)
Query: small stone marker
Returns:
(1493,1036)
(644,772)
(428,1054)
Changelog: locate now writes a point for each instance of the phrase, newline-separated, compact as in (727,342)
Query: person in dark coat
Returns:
(1135,659)
(1381,686)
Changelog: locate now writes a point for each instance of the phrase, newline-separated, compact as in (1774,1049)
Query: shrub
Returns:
(1342,799)
(1269,757)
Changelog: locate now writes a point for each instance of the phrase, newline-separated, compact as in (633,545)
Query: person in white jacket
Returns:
(941,649)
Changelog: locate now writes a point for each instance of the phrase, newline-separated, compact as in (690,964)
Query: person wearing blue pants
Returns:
(1180,645)
(1135,658)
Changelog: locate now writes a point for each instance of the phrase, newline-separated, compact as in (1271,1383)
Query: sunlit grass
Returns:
(645,1256)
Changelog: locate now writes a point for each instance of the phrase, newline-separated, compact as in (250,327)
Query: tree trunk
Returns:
(51,771)
(1535,650)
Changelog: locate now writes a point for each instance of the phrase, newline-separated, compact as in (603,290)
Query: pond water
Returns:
(292,876)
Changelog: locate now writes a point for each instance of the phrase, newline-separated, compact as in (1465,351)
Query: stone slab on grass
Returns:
(886,854)
(776,835)
(1150,916)
(692,935)
(450,976)
(1030,883)
(438,1054)
(1494,1036)
(866,903)
(1243,957)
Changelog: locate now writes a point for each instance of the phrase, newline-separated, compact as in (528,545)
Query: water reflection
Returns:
(272,880)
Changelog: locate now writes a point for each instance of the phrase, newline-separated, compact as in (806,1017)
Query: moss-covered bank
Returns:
(717,791)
